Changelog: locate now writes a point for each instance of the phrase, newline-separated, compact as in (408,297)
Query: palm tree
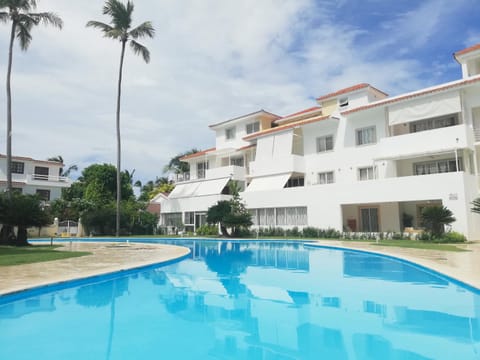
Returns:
(176,166)
(22,19)
(434,219)
(120,29)
(63,172)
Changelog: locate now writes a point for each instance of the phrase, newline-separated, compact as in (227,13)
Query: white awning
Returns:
(211,187)
(274,182)
(199,188)
(434,106)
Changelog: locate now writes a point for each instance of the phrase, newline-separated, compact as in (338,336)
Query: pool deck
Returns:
(112,257)
(105,258)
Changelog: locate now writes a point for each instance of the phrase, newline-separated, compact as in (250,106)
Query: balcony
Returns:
(235,172)
(288,164)
(424,143)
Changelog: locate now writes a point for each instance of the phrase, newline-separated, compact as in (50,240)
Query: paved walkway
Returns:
(105,258)
(111,257)
(463,266)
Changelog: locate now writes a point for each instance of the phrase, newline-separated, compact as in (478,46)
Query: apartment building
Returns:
(358,161)
(31,176)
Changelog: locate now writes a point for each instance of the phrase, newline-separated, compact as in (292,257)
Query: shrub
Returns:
(294,232)
(310,232)
(452,237)
(207,230)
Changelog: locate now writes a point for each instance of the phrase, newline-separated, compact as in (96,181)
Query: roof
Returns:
(244,116)
(312,109)
(23,158)
(199,153)
(286,127)
(415,94)
(348,90)
(467,50)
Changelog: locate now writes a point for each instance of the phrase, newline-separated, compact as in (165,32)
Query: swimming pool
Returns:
(250,300)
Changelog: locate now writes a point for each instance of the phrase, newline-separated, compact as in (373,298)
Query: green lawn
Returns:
(32,254)
(419,245)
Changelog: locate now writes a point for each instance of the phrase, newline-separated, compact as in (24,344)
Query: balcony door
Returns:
(369,219)
(41,173)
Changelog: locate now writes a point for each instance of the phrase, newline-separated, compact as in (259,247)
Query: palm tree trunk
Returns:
(119,146)
(9,110)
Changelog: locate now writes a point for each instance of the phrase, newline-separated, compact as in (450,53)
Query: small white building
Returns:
(30,176)
(357,161)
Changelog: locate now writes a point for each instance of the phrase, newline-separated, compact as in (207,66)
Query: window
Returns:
(295,182)
(325,143)
(431,124)
(326,177)
(366,173)
(189,217)
(437,166)
(343,102)
(253,127)
(237,161)
(366,136)
(41,173)
(172,219)
(289,216)
(17,167)
(202,169)
(230,133)
(369,219)
(43,194)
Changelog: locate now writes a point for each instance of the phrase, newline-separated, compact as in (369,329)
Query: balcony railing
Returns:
(51,178)
(476,134)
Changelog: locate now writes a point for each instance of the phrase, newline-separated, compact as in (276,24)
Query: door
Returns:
(369,219)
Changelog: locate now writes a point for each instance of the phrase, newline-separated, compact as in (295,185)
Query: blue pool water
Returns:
(249,300)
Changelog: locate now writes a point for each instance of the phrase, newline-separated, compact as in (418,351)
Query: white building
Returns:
(31,176)
(358,161)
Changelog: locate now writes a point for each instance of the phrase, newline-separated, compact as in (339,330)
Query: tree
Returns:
(476,206)
(63,172)
(22,211)
(120,29)
(230,213)
(176,166)
(434,219)
(23,19)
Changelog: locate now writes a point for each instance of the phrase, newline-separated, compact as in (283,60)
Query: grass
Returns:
(419,245)
(33,254)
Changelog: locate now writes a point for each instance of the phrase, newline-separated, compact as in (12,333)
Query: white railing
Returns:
(476,134)
(53,178)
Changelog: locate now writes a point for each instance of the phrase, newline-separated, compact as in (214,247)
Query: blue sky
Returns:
(213,60)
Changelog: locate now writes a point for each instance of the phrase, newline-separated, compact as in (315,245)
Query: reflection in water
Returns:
(256,300)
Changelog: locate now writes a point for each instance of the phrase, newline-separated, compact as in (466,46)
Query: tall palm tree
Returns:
(19,13)
(120,29)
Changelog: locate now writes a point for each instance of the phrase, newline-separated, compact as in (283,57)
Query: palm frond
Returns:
(99,25)
(121,14)
(4,16)
(140,49)
(48,18)
(23,34)
(143,30)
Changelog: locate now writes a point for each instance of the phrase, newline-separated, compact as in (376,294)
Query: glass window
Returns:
(325,143)
(230,133)
(326,177)
(295,182)
(343,102)
(253,127)
(17,167)
(430,124)
(281,216)
(366,136)
(366,173)
(237,161)
(437,166)
(41,173)
(43,194)
(202,168)
(189,218)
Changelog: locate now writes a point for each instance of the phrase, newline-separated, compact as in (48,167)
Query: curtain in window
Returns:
(270,217)
(281,216)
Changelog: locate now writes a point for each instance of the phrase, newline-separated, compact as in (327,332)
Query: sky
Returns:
(213,60)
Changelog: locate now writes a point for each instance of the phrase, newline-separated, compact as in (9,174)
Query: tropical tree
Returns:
(176,166)
(230,213)
(434,219)
(63,172)
(120,28)
(19,13)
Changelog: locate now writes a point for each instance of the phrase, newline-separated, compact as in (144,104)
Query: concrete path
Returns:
(105,258)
